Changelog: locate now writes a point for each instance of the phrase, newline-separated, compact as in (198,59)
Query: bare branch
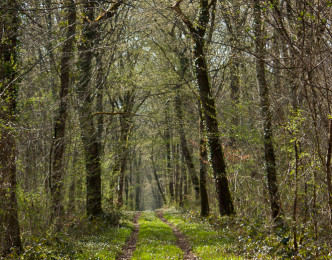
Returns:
(184,18)
(213,3)
(110,113)
(109,13)
(116,113)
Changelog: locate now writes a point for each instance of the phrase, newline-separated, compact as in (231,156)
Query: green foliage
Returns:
(98,238)
(231,238)
(56,246)
(106,245)
(155,239)
(33,210)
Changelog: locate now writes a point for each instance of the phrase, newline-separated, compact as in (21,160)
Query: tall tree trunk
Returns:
(89,134)
(208,103)
(169,172)
(137,165)
(123,164)
(61,117)
(182,174)
(126,188)
(154,169)
(9,226)
(234,24)
(100,91)
(328,170)
(131,190)
(48,4)
(176,149)
(184,146)
(270,160)
(210,115)
(235,95)
(125,124)
(203,162)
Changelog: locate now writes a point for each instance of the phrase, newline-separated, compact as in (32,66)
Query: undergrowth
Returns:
(82,238)
(250,239)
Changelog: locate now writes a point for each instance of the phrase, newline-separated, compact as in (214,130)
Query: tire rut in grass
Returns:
(181,240)
(130,246)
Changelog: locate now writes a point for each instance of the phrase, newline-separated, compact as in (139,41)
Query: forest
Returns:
(165,129)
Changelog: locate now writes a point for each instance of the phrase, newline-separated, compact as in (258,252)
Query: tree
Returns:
(197,33)
(58,171)
(203,169)
(126,103)
(270,161)
(9,226)
(168,140)
(89,133)
(84,93)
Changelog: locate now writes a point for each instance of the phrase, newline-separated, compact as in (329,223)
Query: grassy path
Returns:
(139,236)
(181,240)
(156,240)
(206,242)
(130,246)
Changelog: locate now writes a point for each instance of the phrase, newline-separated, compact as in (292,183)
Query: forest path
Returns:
(181,240)
(130,246)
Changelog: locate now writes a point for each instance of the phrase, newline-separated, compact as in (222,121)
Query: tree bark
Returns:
(184,147)
(182,181)
(9,226)
(138,190)
(169,173)
(157,180)
(88,131)
(235,95)
(328,170)
(176,152)
(203,162)
(125,124)
(208,103)
(270,160)
(61,117)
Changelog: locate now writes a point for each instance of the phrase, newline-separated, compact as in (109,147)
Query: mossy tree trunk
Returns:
(58,172)
(167,139)
(9,226)
(203,162)
(88,129)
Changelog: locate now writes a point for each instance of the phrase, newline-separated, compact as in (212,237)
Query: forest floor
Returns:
(130,246)
(163,234)
(138,236)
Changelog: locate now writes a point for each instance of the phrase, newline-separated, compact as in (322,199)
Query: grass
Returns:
(95,240)
(105,245)
(206,242)
(155,239)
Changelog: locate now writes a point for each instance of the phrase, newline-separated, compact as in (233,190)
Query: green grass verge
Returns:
(205,241)
(97,239)
(104,245)
(155,239)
